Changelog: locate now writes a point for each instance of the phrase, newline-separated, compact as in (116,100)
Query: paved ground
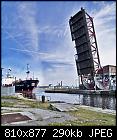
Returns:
(40,116)
(63,107)
(14,117)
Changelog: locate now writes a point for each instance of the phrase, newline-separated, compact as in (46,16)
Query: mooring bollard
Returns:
(43,98)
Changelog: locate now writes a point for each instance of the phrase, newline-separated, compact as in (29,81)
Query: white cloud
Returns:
(65,74)
(104,22)
(27,13)
(107,10)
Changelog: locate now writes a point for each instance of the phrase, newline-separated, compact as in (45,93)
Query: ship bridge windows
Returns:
(20,85)
(33,84)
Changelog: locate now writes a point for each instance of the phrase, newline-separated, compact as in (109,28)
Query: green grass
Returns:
(88,118)
(23,102)
(35,104)
(7,104)
(9,97)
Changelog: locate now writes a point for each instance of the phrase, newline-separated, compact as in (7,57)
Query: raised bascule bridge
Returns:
(90,72)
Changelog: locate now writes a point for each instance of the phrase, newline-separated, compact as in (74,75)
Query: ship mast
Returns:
(27,72)
(8,73)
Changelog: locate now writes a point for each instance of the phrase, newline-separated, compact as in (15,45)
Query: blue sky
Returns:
(38,33)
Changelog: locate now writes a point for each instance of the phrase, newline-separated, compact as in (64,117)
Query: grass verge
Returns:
(88,118)
(9,97)
(23,102)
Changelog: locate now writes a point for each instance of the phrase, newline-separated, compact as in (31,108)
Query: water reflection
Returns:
(105,102)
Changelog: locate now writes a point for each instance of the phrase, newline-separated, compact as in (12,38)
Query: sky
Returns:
(38,34)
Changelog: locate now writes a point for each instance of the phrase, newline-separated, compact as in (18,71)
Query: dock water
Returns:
(7,90)
(79,91)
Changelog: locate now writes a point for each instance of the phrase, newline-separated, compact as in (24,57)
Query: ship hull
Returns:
(26,87)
